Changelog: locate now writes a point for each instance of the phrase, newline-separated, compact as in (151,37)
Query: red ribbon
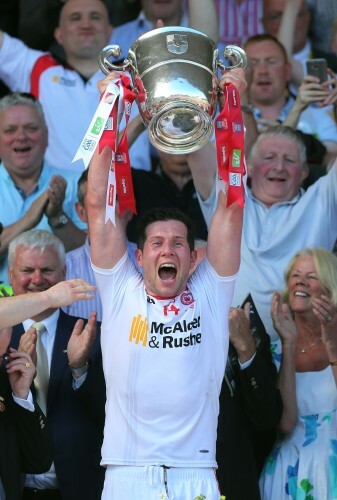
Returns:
(124,185)
(229,138)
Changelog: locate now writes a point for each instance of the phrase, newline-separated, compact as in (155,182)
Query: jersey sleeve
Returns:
(16,63)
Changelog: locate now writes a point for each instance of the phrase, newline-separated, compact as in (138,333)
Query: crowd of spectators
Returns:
(273,386)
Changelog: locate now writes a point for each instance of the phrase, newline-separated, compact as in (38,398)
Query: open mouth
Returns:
(275,179)
(301,294)
(264,84)
(167,272)
(22,150)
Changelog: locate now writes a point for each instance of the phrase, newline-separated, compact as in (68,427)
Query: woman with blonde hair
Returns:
(303,462)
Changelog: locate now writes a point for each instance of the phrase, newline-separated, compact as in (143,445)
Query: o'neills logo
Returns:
(138,332)
(224,154)
(111,195)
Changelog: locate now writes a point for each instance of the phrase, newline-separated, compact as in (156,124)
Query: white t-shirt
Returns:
(271,237)
(69,103)
(163,362)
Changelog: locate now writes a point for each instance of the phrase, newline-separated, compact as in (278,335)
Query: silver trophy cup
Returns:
(174,73)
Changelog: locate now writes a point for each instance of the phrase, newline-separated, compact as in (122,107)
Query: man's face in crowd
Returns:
(83,29)
(166,10)
(271,20)
(23,139)
(35,271)
(269,72)
(166,258)
(276,171)
(174,164)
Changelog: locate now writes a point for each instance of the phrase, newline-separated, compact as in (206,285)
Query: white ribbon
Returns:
(98,123)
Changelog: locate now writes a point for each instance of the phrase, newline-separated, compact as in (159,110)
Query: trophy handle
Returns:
(104,59)
(236,56)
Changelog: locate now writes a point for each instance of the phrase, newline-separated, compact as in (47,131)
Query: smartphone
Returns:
(318,68)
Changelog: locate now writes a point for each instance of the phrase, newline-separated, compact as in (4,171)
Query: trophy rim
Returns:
(171,29)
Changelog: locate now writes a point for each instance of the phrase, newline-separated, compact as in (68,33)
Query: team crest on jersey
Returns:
(186,298)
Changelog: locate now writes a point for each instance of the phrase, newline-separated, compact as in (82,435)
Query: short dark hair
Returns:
(265,37)
(163,214)
(80,185)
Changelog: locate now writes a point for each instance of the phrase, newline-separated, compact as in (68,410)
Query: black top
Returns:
(25,442)
(250,409)
(156,189)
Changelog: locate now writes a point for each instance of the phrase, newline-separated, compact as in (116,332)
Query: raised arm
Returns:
(15,309)
(224,237)
(286,36)
(203,17)
(107,241)
(71,236)
(285,327)
(203,162)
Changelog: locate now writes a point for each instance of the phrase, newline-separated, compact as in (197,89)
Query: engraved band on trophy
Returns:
(174,73)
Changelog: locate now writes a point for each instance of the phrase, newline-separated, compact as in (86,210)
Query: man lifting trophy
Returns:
(164,333)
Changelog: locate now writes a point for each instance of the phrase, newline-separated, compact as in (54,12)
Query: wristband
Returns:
(333,363)
(58,222)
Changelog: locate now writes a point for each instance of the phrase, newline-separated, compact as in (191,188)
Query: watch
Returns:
(58,222)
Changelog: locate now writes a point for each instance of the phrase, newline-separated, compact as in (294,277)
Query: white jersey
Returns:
(163,362)
(68,102)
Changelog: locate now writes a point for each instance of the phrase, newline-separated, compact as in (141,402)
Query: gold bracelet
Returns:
(333,363)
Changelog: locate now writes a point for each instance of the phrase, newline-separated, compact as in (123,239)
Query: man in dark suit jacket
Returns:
(37,262)
(25,443)
(250,406)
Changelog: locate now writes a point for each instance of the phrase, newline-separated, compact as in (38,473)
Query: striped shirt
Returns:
(237,22)
(79,266)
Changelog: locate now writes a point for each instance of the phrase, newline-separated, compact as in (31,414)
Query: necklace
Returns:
(306,348)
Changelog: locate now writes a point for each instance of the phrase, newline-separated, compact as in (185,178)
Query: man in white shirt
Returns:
(280,217)
(33,194)
(270,73)
(164,342)
(66,89)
